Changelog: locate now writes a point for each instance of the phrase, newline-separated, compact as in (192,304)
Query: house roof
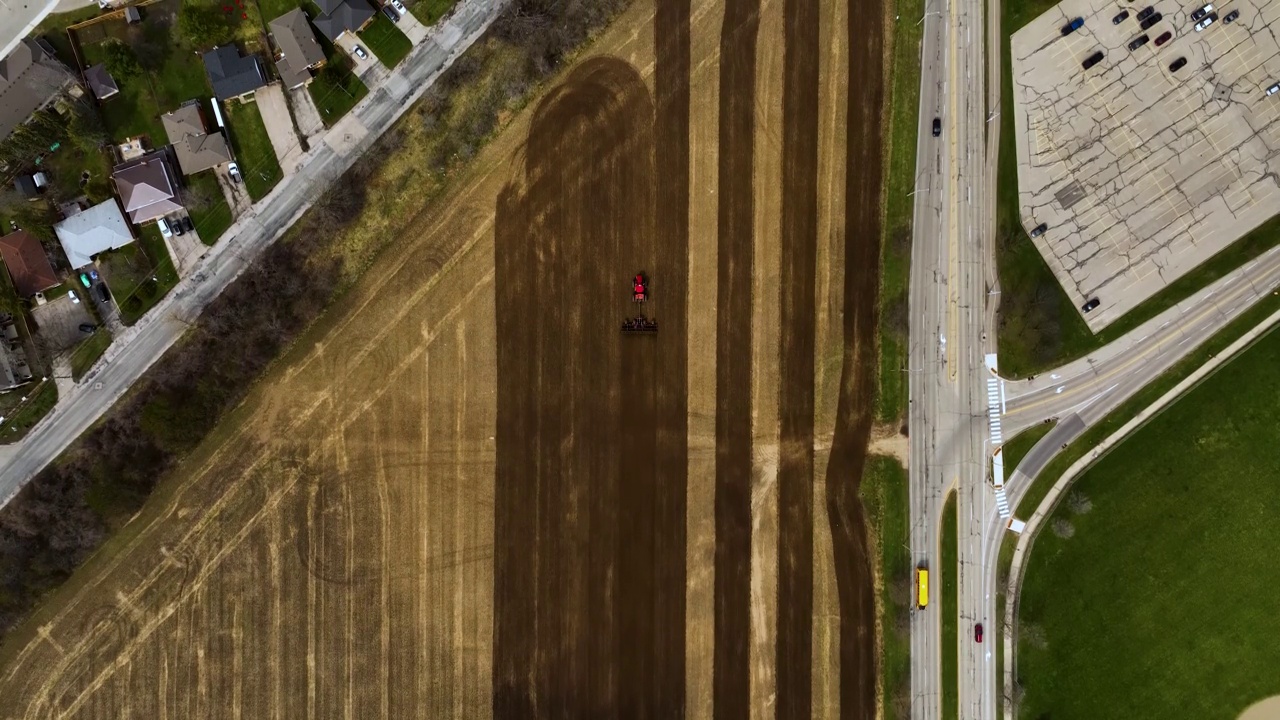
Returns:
(298,47)
(29,78)
(339,16)
(233,74)
(146,188)
(26,184)
(28,265)
(101,82)
(196,149)
(92,231)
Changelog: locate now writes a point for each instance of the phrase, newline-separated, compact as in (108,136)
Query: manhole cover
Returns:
(1222,92)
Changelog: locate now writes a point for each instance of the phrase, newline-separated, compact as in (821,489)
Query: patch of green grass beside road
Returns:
(386,41)
(88,352)
(899,204)
(1168,570)
(139,274)
(254,153)
(884,496)
(39,402)
(212,215)
(429,11)
(336,89)
(948,586)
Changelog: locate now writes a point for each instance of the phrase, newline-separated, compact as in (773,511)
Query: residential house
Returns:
(100,82)
(147,187)
(340,16)
(28,265)
(233,75)
(14,371)
(89,232)
(30,79)
(30,186)
(297,50)
(195,148)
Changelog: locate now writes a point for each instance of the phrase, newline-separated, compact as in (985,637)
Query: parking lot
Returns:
(1141,173)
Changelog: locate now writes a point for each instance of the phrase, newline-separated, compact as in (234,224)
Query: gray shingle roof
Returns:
(101,82)
(29,78)
(195,148)
(233,74)
(339,16)
(298,47)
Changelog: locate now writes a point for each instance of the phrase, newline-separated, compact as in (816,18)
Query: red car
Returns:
(1164,38)
(640,288)
(977,632)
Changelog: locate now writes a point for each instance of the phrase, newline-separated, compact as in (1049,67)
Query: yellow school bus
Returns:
(922,587)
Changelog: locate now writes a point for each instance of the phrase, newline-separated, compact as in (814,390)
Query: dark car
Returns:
(103,294)
(391,13)
(1178,64)
(87,327)
(1138,42)
(1164,38)
(1038,230)
(187,224)
(1073,26)
(937,127)
(1230,17)
(1151,21)
(977,632)
(1197,14)
(1124,15)
(1092,60)
(1146,13)
(1091,305)
(175,225)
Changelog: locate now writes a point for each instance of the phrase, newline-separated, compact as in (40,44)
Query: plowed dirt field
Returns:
(468,494)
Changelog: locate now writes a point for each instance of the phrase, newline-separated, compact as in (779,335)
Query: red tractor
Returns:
(639,288)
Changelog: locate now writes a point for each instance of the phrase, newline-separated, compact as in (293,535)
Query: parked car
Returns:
(1124,15)
(1273,89)
(360,53)
(1146,13)
(1091,305)
(391,13)
(1197,14)
(1072,26)
(937,127)
(1206,22)
(164,228)
(1164,38)
(1138,42)
(1092,60)
(175,224)
(1230,17)
(1038,230)
(103,294)
(234,171)
(93,274)
(977,632)
(1151,21)
(187,224)
(1178,64)
(84,279)
(87,327)
(72,294)
(399,6)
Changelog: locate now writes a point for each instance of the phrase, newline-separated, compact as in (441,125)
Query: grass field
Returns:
(336,89)
(949,588)
(1170,586)
(88,352)
(899,203)
(386,41)
(884,494)
(139,274)
(429,11)
(40,400)
(257,158)
(214,217)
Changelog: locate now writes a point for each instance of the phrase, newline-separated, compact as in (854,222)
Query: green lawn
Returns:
(211,215)
(895,248)
(1039,325)
(336,89)
(139,274)
(386,41)
(429,11)
(272,9)
(257,159)
(88,352)
(41,397)
(1171,609)
(884,496)
(948,583)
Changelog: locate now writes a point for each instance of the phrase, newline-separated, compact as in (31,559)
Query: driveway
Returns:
(310,124)
(414,30)
(275,115)
(370,70)
(237,197)
(186,250)
(58,322)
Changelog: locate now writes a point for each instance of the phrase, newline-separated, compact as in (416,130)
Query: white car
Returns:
(360,53)
(399,7)
(1206,22)
(234,171)
(72,295)
(1196,15)
(1273,89)
(164,228)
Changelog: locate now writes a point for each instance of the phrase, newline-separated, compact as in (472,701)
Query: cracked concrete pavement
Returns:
(1142,173)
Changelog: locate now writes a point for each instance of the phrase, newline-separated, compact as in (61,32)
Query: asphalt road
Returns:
(138,347)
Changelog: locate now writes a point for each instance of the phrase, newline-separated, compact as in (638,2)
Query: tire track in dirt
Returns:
(796,367)
(588,419)
(858,375)
(731,674)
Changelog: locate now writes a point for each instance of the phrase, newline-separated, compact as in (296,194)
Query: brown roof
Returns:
(196,149)
(298,46)
(29,78)
(146,188)
(28,265)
